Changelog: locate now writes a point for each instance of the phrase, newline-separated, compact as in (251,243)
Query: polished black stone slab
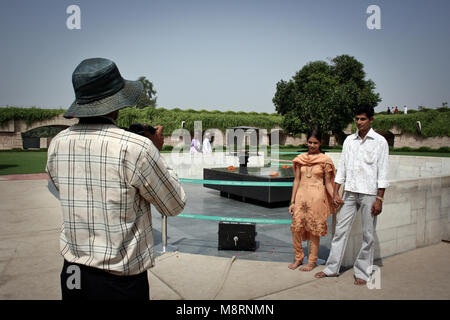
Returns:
(268,196)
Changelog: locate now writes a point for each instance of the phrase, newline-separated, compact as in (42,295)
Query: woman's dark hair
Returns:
(365,108)
(316,133)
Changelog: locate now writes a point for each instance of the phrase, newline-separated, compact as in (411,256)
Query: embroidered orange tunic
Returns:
(313,204)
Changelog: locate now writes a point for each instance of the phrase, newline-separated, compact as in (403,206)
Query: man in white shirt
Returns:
(206,148)
(363,167)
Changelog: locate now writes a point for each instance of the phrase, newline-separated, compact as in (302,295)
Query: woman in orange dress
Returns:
(311,201)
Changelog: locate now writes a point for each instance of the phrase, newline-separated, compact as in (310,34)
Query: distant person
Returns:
(364,168)
(405,110)
(195,145)
(388,110)
(107,179)
(206,147)
(396,110)
(311,201)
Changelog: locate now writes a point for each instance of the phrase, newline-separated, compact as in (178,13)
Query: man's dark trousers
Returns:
(96,284)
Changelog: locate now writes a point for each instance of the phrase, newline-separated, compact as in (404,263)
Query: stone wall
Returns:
(295,141)
(410,167)
(413,141)
(43,142)
(11,131)
(22,126)
(10,140)
(416,213)
(7,126)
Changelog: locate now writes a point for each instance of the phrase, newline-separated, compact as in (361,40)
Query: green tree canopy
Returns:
(324,95)
(148,98)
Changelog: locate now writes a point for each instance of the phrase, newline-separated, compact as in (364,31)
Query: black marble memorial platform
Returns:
(267,196)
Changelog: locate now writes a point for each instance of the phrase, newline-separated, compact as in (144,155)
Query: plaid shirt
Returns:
(107,178)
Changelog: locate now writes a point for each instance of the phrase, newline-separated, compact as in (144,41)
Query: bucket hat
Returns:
(100,89)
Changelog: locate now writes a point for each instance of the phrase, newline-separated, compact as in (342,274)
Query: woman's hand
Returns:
(337,200)
(291,209)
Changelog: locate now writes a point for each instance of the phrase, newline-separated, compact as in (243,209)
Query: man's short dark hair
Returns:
(364,108)
(141,129)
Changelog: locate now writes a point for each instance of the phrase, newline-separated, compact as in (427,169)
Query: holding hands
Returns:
(376,207)
(337,200)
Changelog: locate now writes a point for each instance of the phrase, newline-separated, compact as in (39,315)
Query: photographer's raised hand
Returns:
(158,137)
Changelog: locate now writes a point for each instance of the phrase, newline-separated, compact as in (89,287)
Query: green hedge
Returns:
(435,122)
(28,114)
(171,119)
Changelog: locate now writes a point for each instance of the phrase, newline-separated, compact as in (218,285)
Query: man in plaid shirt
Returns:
(107,179)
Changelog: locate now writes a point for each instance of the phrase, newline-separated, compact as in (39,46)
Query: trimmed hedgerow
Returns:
(28,114)
(171,119)
(434,122)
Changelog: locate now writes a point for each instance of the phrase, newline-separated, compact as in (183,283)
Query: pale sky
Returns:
(223,54)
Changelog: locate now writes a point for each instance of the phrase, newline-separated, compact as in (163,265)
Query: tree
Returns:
(324,95)
(148,98)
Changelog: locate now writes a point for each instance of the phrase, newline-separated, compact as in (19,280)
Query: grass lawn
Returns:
(21,162)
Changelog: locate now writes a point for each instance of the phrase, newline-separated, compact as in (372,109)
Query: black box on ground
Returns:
(237,236)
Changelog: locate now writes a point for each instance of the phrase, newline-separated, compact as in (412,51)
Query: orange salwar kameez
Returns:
(313,204)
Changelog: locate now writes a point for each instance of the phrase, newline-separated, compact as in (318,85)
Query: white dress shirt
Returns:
(206,146)
(364,164)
